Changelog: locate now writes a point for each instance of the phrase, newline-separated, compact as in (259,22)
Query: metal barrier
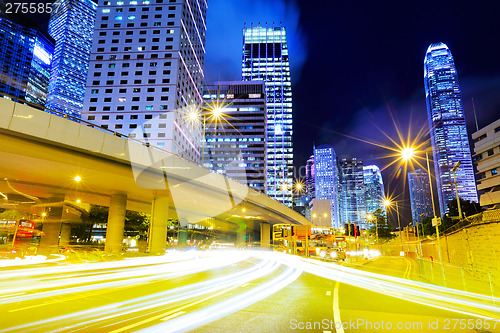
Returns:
(466,279)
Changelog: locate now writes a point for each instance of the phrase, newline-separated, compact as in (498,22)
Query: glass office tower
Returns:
(374,188)
(265,58)
(448,130)
(352,192)
(420,195)
(25,62)
(72,26)
(326,180)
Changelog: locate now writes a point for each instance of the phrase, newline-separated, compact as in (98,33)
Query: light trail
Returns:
(258,274)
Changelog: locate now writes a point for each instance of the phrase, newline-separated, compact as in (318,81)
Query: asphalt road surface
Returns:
(234,291)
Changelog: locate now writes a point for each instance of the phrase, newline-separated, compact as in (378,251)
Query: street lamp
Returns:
(214,112)
(408,153)
(388,203)
(370,218)
(454,170)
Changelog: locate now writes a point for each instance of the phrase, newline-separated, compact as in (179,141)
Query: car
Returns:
(333,253)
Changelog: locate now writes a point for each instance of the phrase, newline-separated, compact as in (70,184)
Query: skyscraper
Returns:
(352,192)
(24,61)
(146,70)
(374,188)
(235,143)
(265,57)
(72,26)
(448,130)
(326,180)
(420,195)
(310,181)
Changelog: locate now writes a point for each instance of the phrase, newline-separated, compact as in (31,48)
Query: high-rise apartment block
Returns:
(352,192)
(71,25)
(326,180)
(265,58)
(235,139)
(146,70)
(374,188)
(25,61)
(487,160)
(420,195)
(448,130)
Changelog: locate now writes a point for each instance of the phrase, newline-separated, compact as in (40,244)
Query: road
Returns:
(231,291)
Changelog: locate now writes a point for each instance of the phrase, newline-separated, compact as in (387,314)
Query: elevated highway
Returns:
(41,154)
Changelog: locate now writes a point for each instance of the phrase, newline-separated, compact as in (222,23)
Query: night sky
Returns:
(354,63)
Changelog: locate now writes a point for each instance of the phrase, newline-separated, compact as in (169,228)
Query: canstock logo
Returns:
(197,193)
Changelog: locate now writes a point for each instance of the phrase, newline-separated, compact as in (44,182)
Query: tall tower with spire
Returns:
(448,130)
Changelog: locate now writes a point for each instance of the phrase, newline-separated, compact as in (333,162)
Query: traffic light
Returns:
(351,230)
(357,231)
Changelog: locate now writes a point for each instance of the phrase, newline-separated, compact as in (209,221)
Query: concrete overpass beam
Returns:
(116,223)
(159,223)
(265,235)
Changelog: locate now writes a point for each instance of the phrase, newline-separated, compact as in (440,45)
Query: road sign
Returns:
(436,221)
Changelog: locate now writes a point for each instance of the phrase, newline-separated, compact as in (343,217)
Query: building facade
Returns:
(374,188)
(235,142)
(352,192)
(487,160)
(310,178)
(146,70)
(326,180)
(447,126)
(420,195)
(25,62)
(265,57)
(72,27)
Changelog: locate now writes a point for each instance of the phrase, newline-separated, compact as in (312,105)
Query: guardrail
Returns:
(466,279)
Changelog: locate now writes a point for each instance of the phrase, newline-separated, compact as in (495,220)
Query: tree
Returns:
(469,208)
(384,229)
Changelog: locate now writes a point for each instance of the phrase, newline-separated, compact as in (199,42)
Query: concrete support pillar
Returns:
(241,237)
(265,235)
(159,223)
(65,234)
(51,224)
(116,223)
(50,237)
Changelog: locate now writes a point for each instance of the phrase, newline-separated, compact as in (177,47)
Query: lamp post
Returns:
(388,203)
(454,170)
(433,206)
(407,154)
(371,218)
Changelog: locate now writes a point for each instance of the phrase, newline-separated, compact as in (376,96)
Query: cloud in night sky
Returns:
(225,20)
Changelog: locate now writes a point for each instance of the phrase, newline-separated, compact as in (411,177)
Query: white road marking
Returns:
(336,309)
(329,293)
